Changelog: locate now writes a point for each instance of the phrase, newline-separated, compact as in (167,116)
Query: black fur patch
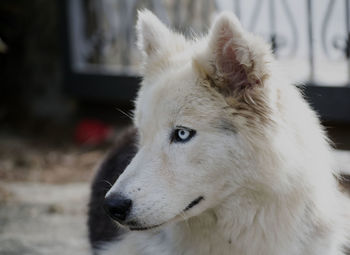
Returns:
(101,228)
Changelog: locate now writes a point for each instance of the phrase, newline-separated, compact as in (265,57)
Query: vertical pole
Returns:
(272,22)
(311,42)
(347,47)
(238,9)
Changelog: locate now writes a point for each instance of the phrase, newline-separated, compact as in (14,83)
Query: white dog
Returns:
(231,159)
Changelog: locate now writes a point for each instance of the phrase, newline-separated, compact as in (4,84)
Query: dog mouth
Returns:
(194,203)
(141,228)
(134,226)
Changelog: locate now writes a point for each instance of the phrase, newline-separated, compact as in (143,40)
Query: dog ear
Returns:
(150,33)
(156,41)
(233,59)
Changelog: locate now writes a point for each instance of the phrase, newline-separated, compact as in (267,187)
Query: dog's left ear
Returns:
(155,39)
(233,59)
(151,33)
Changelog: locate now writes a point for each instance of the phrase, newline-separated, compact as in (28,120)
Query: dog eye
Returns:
(182,135)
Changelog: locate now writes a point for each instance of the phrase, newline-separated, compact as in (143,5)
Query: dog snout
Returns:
(117,207)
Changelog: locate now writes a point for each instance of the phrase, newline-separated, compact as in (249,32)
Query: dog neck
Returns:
(250,224)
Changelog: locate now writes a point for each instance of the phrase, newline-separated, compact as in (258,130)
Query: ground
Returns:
(38,218)
(44,191)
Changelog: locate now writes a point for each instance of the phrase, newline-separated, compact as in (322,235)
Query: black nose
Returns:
(117,207)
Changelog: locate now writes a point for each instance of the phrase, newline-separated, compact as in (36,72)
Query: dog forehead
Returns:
(175,97)
(164,97)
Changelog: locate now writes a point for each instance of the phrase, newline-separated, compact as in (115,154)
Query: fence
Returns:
(309,37)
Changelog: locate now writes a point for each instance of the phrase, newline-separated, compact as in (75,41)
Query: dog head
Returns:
(206,117)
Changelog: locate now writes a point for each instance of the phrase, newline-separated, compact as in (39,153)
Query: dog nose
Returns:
(117,207)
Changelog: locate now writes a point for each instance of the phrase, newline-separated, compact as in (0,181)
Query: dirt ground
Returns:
(44,191)
(39,218)
(25,159)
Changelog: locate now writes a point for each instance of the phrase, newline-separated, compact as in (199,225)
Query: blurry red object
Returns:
(92,132)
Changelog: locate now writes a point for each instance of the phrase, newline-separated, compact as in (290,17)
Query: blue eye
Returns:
(182,135)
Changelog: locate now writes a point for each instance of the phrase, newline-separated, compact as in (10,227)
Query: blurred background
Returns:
(68,75)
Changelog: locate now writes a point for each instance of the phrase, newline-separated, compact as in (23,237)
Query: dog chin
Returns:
(136,226)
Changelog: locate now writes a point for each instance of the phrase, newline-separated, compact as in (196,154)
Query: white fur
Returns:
(267,183)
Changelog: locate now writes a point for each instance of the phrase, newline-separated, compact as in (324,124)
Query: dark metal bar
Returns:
(347,15)
(272,23)
(325,25)
(347,47)
(311,41)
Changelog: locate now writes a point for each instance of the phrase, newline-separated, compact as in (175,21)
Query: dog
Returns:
(226,156)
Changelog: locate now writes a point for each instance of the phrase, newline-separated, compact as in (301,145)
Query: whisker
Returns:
(183,216)
(110,184)
(125,113)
